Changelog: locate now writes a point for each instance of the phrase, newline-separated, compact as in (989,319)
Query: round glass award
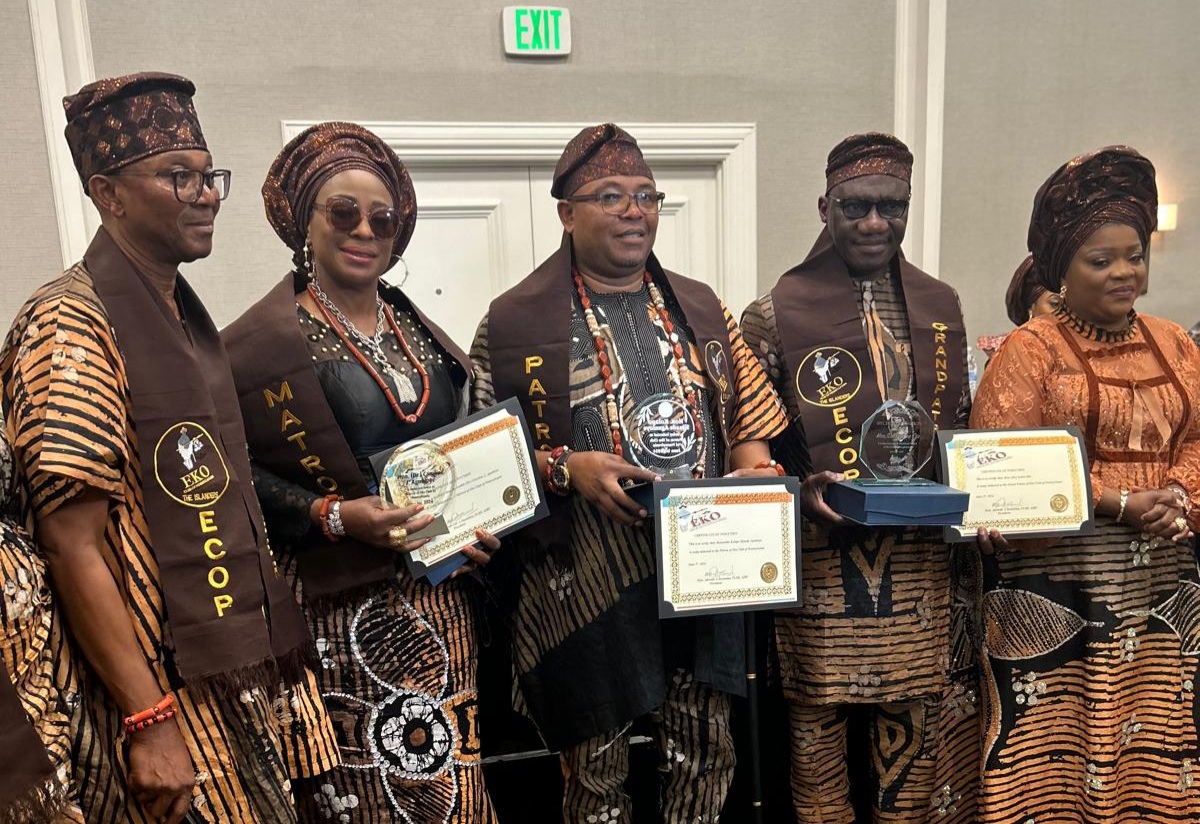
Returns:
(660,435)
(897,440)
(418,472)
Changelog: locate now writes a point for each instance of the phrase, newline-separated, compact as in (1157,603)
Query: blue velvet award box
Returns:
(897,443)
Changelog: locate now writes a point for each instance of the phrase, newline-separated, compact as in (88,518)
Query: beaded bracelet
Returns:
(149,722)
(326,529)
(336,527)
(156,714)
(779,470)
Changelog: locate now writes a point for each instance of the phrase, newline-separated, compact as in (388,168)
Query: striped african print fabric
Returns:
(587,636)
(1090,645)
(887,615)
(899,766)
(875,610)
(33,653)
(68,417)
(695,747)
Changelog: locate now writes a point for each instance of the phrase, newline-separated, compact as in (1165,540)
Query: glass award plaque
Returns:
(896,445)
(897,441)
(418,472)
(660,435)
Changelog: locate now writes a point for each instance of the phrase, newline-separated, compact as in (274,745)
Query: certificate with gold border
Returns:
(490,482)
(727,545)
(1027,483)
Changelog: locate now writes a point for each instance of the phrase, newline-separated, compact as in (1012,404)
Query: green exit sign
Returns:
(537,31)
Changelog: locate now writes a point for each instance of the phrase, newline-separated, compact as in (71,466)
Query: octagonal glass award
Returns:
(895,447)
(897,441)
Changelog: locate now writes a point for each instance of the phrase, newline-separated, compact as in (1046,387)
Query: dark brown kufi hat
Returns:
(597,151)
(1110,185)
(314,156)
(117,121)
(873,153)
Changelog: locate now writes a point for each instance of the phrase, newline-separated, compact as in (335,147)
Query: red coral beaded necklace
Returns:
(346,330)
(684,392)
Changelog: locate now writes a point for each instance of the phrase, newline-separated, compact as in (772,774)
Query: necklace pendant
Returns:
(404,385)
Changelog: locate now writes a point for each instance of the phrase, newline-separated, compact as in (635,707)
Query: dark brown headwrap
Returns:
(596,152)
(1023,292)
(317,154)
(114,122)
(1110,185)
(873,153)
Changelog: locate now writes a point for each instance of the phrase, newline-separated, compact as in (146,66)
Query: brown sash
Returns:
(293,433)
(530,351)
(825,351)
(230,612)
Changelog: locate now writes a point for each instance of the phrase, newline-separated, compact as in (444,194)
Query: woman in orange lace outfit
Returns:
(1091,643)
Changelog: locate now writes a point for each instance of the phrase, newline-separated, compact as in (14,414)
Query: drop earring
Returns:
(403,263)
(308,263)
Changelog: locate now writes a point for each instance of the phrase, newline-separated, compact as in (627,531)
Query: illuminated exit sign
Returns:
(537,31)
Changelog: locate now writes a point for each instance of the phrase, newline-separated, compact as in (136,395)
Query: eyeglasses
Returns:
(617,203)
(344,215)
(189,184)
(857,209)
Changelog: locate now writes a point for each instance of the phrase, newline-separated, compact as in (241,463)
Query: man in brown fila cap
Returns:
(135,480)
(599,329)
(869,650)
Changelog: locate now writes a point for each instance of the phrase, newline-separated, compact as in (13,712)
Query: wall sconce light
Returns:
(1168,214)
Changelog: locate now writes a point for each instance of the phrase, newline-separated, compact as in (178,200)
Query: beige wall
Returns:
(779,63)
(29,251)
(1031,83)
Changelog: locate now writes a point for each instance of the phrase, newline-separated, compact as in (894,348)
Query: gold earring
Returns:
(1062,291)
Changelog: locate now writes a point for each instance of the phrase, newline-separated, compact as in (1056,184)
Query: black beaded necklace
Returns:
(1093,332)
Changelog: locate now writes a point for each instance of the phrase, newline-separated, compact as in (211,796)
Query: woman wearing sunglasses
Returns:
(334,366)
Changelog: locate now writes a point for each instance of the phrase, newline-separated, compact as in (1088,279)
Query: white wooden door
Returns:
(482,229)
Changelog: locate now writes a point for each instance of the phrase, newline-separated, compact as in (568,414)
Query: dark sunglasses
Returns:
(344,215)
(857,209)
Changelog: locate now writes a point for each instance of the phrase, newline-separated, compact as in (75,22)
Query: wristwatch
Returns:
(558,477)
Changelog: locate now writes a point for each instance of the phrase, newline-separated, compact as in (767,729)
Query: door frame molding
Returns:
(62,55)
(730,148)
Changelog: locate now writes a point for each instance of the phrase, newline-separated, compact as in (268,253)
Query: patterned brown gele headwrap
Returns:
(597,151)
(1111,185)
(1023,291)
(117,121)
(873,153)
(314,156)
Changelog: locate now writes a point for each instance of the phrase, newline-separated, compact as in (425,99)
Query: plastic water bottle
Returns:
(972,370)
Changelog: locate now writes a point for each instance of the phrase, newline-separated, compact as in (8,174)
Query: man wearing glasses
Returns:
(598,333)
(866,660)
(135,479)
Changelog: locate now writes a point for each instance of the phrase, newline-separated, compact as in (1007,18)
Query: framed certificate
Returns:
(476,473)
(727,545)
(1027,483)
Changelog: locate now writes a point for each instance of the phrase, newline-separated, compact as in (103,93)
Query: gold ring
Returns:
(1181,523)
(397,536)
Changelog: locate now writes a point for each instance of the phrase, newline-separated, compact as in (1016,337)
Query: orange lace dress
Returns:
(1090,644)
